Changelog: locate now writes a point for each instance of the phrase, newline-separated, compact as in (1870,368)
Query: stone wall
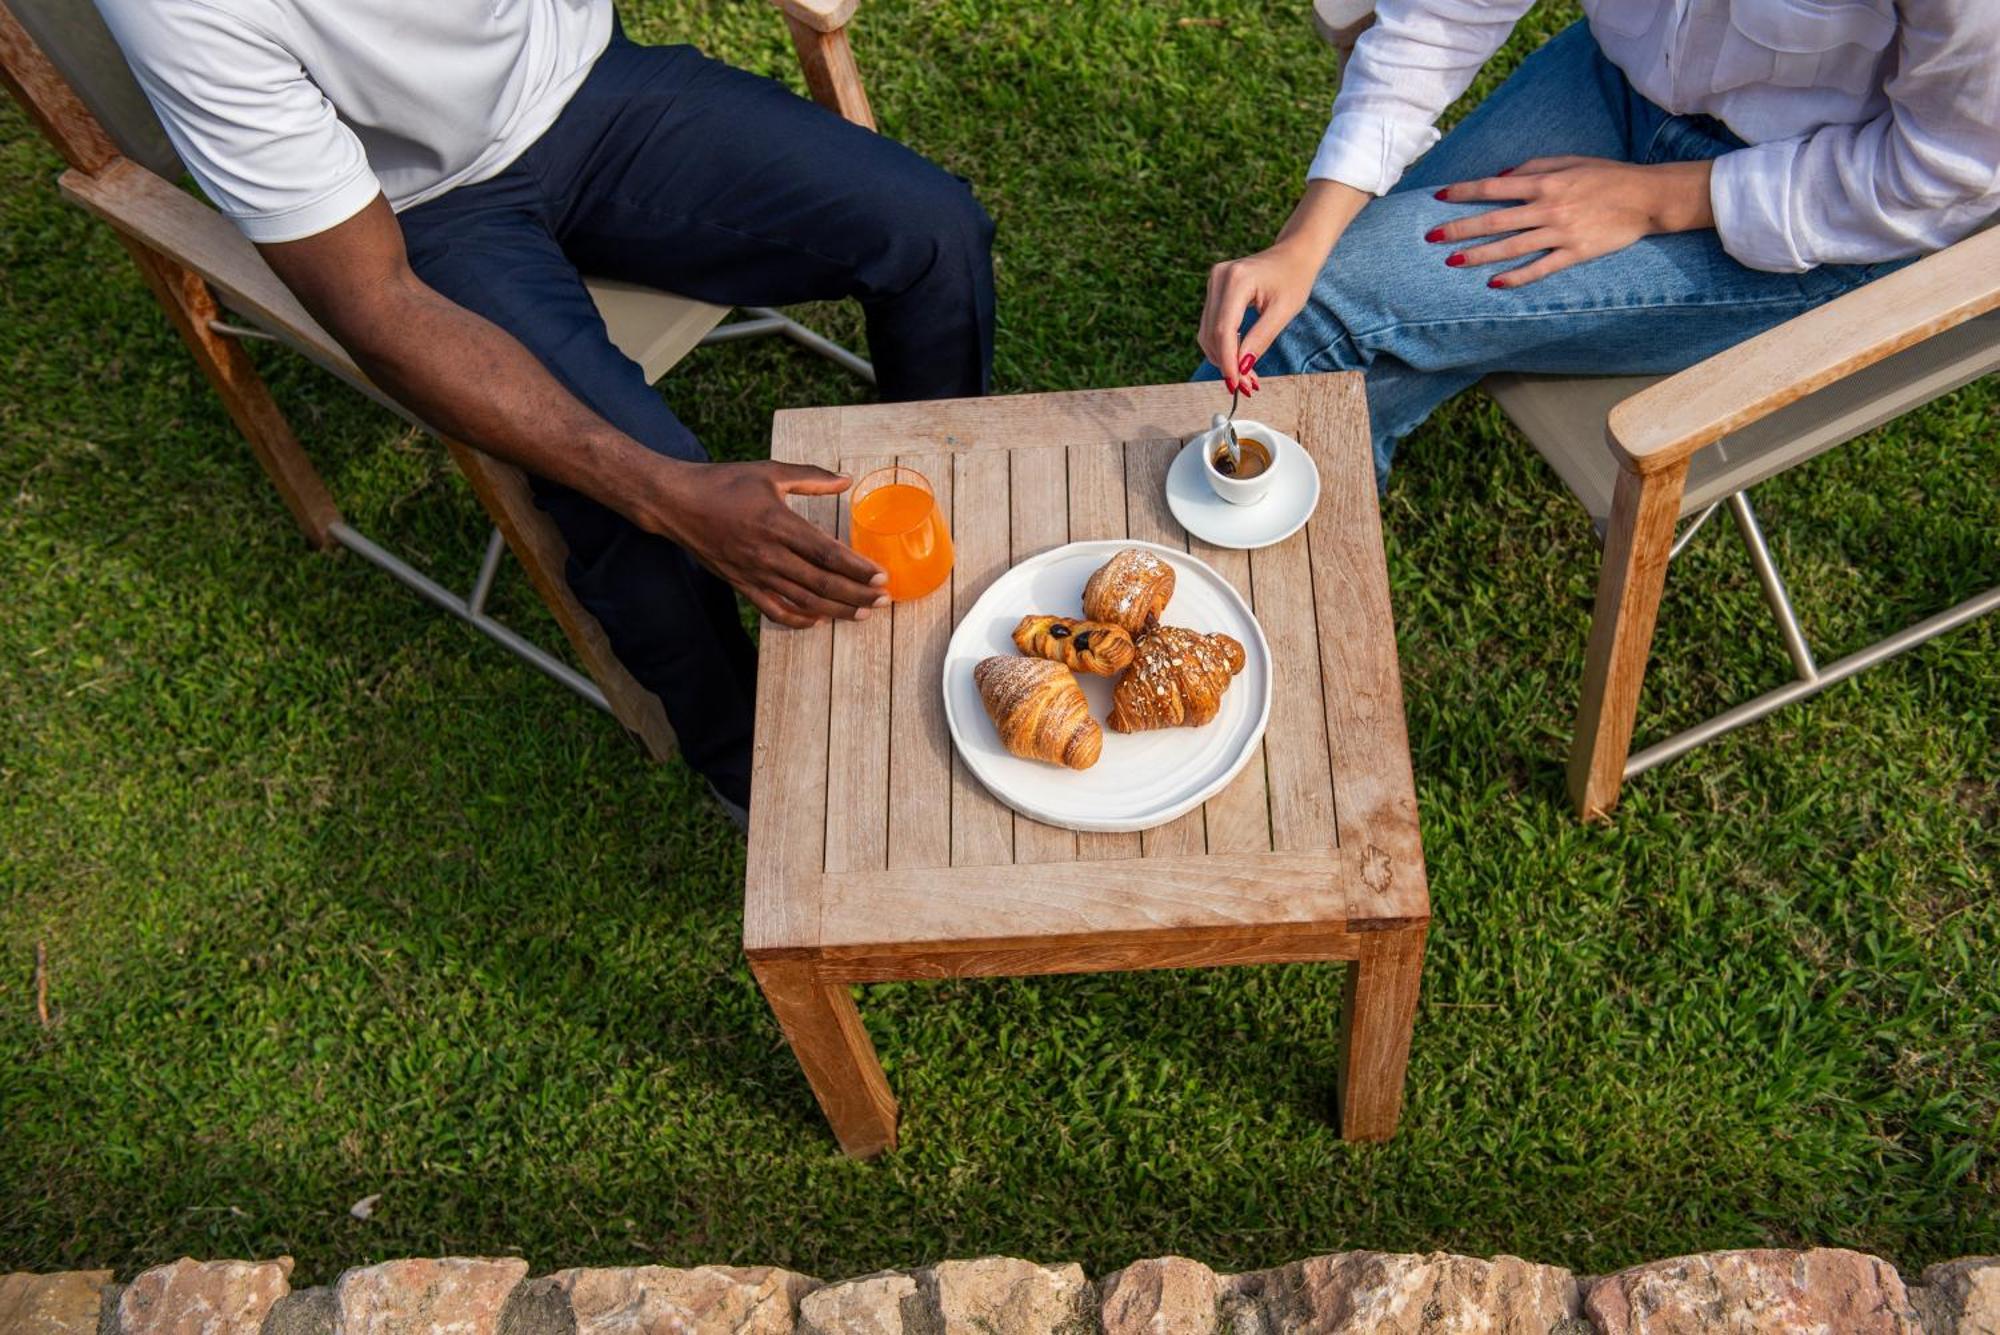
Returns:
(1823,1291)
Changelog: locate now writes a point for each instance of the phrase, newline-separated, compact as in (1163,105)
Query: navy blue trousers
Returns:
(679,172)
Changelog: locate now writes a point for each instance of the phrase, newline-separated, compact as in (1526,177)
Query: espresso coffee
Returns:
(1252,459)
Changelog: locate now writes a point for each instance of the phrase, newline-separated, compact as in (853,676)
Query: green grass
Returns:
(341,900)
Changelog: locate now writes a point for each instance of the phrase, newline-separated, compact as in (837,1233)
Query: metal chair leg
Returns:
(1811,678)
(1775,594)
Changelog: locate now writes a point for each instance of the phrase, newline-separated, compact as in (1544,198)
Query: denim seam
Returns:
(1571,313)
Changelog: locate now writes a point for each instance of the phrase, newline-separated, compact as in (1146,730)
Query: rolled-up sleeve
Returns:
(255,132)
(1923,174)
(1419,56)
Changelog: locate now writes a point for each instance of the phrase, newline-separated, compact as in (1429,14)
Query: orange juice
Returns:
(896,525)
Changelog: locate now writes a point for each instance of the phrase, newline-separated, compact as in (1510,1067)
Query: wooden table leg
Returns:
(1375,1041)
(825,1031)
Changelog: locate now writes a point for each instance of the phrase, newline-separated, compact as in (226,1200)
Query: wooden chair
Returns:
(60,62)
(1650,455)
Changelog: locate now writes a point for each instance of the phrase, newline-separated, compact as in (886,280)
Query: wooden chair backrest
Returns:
(76,43)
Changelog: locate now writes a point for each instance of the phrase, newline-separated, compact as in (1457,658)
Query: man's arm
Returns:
(471,379)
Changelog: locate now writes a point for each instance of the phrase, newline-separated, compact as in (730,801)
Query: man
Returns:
(431,179)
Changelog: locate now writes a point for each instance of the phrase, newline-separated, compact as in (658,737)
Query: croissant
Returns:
(1039,711)
(1082,646)
(1177,680)
(1129,590)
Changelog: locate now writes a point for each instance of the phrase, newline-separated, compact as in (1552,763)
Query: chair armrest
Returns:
(1663,424)
(819,15)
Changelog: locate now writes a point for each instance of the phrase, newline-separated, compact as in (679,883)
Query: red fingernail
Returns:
(1436,234)
(1442,195)
(1455,260)
(1507,171)
(1248,360)
(1495,282)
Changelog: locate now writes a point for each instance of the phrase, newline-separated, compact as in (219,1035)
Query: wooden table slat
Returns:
(1301,777)
(982,829)
(1148,519)
(788,818)
(1238,817)
(1195,892)
(857,759)
(1368,742)
(1038,500)
(920,750)
(1019,422)
(1097,511)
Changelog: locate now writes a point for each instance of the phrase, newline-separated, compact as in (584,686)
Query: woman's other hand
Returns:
(1571,209)
(1274,282)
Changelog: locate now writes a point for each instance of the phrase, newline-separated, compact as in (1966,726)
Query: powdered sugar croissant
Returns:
(1129,590)
(1096,647)
(1177,680)
(1039,710)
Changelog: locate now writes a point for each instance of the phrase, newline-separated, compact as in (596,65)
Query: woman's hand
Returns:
(1276,282)
(1574,209)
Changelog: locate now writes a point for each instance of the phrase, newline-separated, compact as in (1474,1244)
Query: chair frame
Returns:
(105,180)
(1655,433)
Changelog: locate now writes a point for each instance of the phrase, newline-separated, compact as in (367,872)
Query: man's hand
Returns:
(1572,209)
(475,382)
(734,520)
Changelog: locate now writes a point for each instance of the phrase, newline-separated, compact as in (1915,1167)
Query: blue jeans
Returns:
(679,172)
(1386,305)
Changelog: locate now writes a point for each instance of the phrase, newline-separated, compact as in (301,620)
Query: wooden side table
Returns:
(874,855)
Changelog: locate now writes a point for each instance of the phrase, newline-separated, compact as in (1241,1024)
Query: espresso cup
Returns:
(1251,435)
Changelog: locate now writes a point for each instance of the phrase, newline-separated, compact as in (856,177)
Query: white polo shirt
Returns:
(293,115)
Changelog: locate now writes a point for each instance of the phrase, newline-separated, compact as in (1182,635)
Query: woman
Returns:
(1653,185)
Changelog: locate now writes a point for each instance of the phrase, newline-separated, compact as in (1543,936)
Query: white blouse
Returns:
(1873,125)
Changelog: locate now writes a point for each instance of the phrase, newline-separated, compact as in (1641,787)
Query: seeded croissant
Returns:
(1081,646)
(1039,711)
(1129,590)
(1177,680)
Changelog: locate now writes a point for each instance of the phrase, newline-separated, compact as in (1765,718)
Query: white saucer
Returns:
(1293,497)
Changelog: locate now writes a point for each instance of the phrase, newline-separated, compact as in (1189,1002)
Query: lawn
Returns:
(339,900)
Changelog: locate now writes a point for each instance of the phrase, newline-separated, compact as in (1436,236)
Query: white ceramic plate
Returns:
(1294,495)
(1143,779)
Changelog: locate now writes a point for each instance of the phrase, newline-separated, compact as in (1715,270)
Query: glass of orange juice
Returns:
(895,522)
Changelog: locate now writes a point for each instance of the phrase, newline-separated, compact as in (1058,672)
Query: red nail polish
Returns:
(1435,235)
(1506,171)
(1249,360)
(1494,282)
(1442,195)
(1455,260)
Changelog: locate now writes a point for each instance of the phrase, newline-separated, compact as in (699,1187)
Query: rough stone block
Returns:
(657,1300)
(889,1303)
(1384,1293)
(998,1295)
(203,1297)
(1960,1297)
(1765,1292)
(458,1295)
(1169,1295)
(61,1304)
